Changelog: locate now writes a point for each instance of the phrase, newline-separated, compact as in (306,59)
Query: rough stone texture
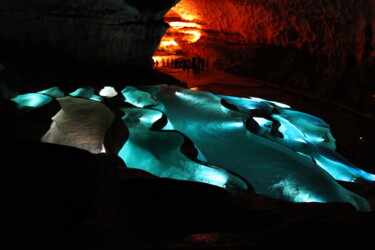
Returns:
(324,46)
(80,37)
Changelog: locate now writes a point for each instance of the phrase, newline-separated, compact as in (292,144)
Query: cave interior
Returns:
(186,124)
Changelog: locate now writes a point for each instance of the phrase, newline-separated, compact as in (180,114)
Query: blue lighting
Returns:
(199,136)
(54,92)
(32,100)
(87,92)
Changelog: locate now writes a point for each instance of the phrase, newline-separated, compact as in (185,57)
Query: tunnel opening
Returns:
(183,32)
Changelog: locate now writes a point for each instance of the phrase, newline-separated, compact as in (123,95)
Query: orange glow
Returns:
(182,30)
(171,42)
(161,58)
(192,30)
(168,44)
(193,35)
(157,58)
(184,24)
(194,88)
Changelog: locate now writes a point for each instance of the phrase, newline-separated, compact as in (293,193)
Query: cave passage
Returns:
(183,30)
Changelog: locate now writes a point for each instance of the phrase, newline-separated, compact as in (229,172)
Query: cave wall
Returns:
(323,46)
(71,37)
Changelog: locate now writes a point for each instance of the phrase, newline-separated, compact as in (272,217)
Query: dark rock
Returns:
(31,124)
(70,41)
(57,197)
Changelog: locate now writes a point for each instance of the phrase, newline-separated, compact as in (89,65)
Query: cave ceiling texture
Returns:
(85,193)
(324,47)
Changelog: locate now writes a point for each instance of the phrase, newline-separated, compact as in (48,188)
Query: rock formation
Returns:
(324,47)
(77,40)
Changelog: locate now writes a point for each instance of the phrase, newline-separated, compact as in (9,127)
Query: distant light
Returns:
(194,88)
(194,35)
(361,138)
(184,24)
(108,91)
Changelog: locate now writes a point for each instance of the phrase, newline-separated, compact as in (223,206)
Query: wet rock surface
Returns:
(59,197)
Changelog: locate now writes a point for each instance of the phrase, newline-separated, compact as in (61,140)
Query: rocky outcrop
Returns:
(69,39)
(58,197)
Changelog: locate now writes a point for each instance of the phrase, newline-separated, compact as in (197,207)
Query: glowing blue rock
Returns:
(314,129)
(246,105)
(87,92)
(159,152)
(54,92)
(31,100)
(305,134)
(272,169)
(138,97)
(298,164)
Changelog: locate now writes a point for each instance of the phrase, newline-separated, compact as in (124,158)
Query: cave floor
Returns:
(355,136)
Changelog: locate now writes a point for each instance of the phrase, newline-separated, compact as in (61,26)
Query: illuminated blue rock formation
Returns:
(54,92)
(305,134)
(31,100)
(137,97)
(233,142)
(87,92)
(223,139)
(159,152)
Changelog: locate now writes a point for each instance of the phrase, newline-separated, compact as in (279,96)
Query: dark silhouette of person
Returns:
(188,65)
(194,64)
(198,67)
(184,62)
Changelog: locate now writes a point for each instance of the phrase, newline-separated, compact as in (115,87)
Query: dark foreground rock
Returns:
(57,197)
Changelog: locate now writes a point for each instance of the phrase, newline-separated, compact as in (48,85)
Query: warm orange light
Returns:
(191,29)
(194,35)
(157,58)
(168,44)
(182,30)
(184,24)
(194,88)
